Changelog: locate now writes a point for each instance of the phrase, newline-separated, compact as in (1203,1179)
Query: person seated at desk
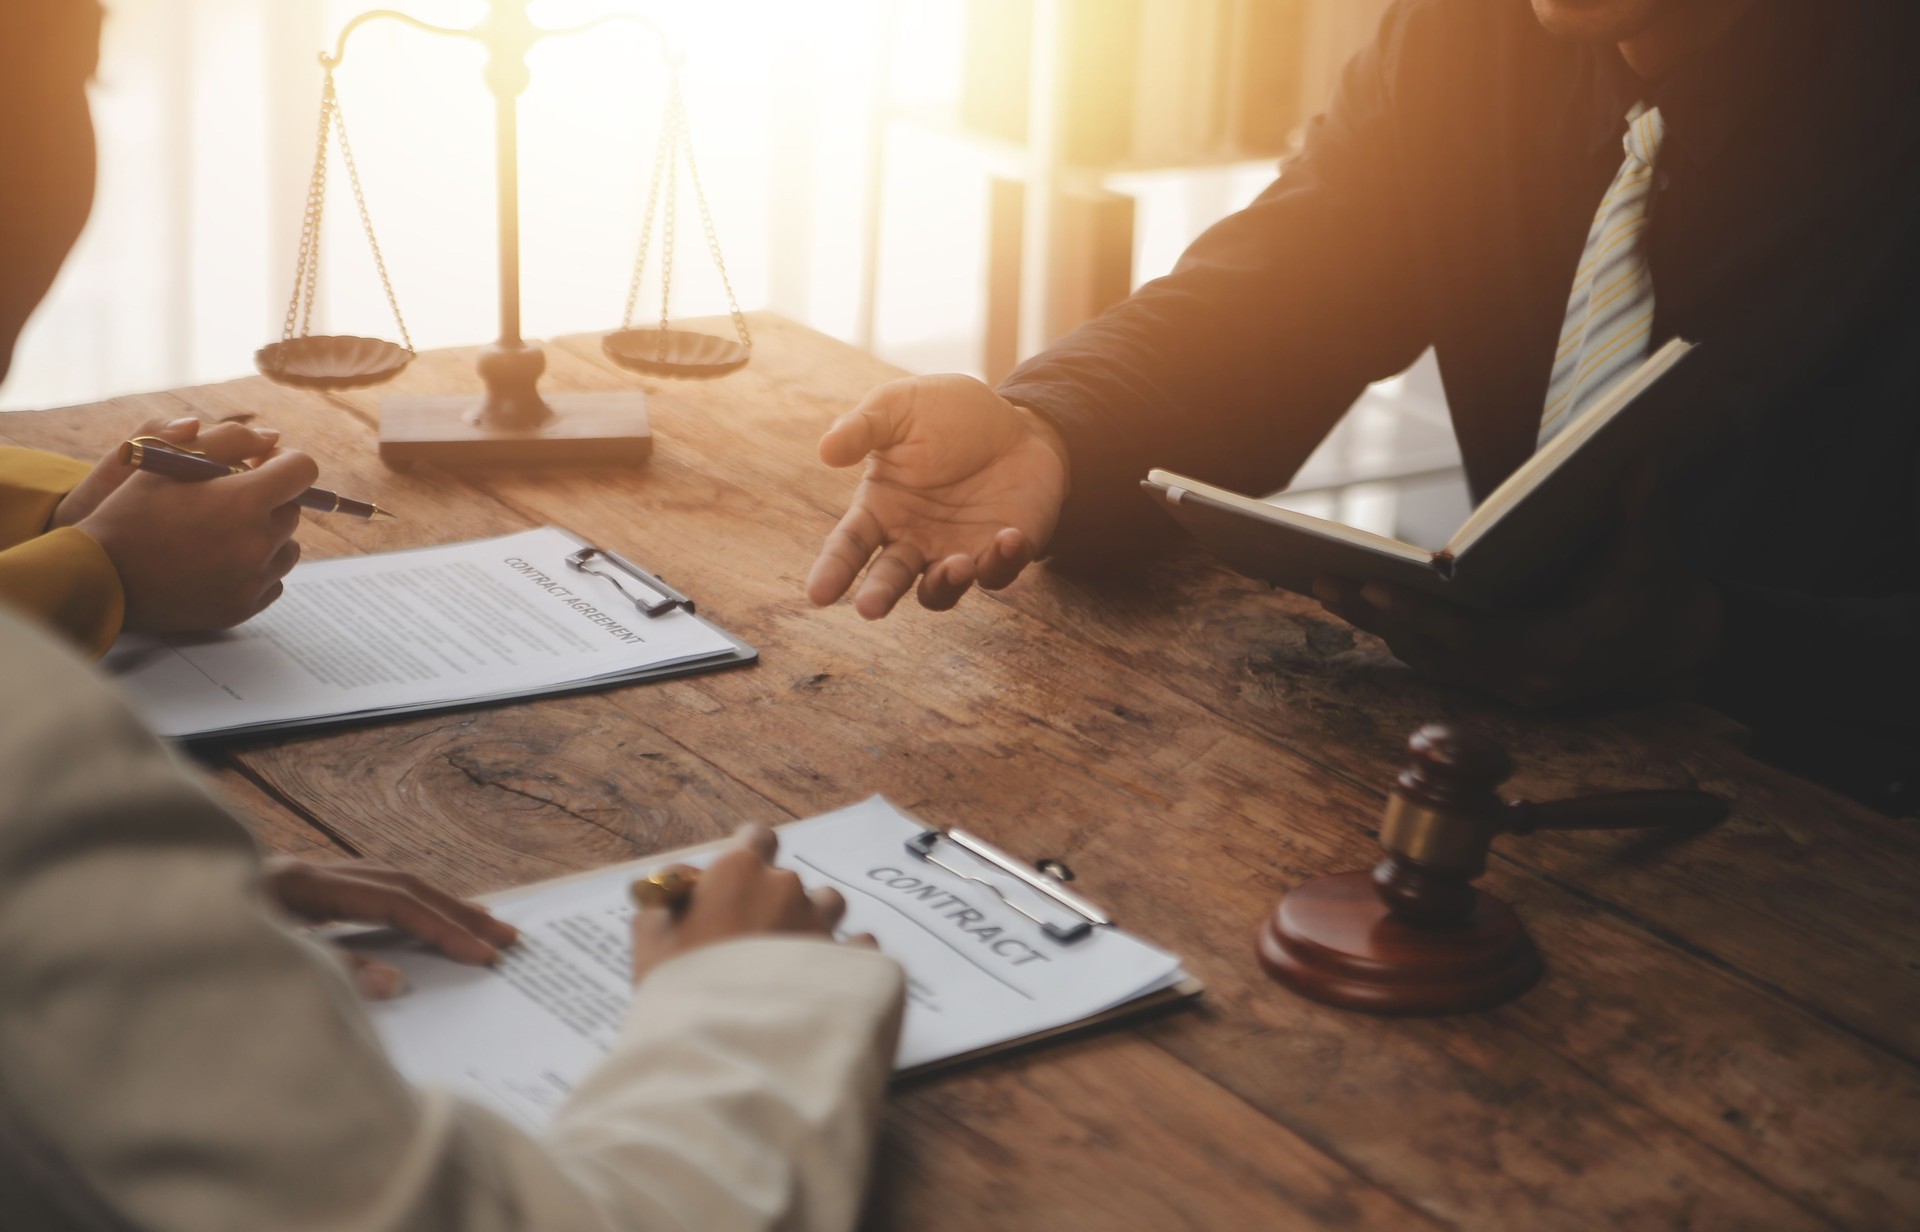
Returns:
(1543,194)
(92,550)
(175,1055)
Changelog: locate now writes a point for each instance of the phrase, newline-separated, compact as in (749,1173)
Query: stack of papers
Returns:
(398,632)
(981,974)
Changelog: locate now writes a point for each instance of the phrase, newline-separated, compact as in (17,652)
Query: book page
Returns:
(1303,522)
(518,1036)
(464,622)
(1549,457)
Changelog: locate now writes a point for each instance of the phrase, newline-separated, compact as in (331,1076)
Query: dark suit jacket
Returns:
(1443,200)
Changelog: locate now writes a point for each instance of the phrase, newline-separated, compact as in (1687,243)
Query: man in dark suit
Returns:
(1542,193)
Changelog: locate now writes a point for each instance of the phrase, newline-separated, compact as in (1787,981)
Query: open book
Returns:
(1553,504)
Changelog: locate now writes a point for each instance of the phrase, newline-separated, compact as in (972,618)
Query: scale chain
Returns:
(306,276)
(673,119)
(706,222)
(366,222)
(661,153)
(675,136)
(306,262)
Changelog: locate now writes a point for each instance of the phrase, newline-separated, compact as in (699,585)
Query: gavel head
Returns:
(1441,819)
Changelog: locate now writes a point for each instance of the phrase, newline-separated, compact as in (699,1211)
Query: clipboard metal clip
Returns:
(608,566)
(1047,881)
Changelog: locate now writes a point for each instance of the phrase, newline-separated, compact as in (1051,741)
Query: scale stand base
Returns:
(587,429)
(1333,940)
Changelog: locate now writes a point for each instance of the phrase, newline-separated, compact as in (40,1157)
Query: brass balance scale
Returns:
(513,422)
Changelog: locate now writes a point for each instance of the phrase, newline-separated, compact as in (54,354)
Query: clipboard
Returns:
(617,583)
(1045,876)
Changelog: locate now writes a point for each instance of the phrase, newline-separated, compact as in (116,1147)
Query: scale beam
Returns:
(482,31)
(346,32)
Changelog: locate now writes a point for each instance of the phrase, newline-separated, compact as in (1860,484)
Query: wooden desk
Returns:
(1726,1037)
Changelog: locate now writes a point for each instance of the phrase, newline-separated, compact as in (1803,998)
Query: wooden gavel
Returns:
(1413,935)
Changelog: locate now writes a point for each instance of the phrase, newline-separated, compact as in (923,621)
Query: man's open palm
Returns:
(961,487)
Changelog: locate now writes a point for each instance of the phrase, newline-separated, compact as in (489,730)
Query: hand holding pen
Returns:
(162,457)
(199,556)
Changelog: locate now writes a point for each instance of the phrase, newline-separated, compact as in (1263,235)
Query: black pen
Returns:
(150,453)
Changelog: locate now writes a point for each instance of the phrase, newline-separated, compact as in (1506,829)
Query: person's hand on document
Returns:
(740,894)
(195,556)
(355,893)
(961,487)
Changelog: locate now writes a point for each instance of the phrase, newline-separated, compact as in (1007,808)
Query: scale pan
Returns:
(331,361)
(674,352)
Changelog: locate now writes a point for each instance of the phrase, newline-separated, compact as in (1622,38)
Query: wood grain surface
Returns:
(1727,1035)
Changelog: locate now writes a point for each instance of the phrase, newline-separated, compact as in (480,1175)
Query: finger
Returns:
(353,896)
(284,560)
(1009,553)
(878,422)
(266,599)
(278,480)
(865,941)
(785,896)
(472,914)
(234,443)
(828,906)
(482,922)
(421,919)
(174,431)
(651,928)
(891,576)
(942,585)
(844,554)
(283,522)
(758,839)
(112,472)
(376,980)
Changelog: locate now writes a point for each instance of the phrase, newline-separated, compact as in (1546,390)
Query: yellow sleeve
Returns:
(32,482)
(62,578)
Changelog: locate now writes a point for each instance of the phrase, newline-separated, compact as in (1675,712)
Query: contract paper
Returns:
(518,1036)
(400,631)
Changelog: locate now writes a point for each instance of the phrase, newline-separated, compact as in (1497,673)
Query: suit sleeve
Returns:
(1827,685)
(173,1058)
(62,578)
(1235,365)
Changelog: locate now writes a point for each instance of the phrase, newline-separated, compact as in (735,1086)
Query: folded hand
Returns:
(194,557)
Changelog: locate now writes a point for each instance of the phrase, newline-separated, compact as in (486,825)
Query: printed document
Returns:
(400,631)
(517,1036)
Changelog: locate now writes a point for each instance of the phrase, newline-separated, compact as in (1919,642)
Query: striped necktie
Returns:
(1610,313)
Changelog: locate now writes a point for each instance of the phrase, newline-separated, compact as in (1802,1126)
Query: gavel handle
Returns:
(1620,810)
